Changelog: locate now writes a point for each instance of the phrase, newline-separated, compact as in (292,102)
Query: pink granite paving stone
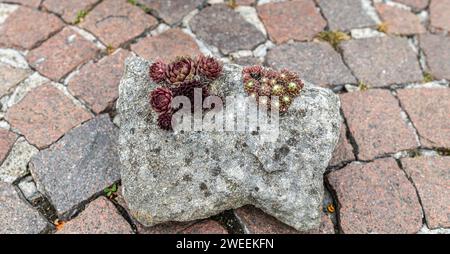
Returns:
(44,115)
(30,3)
(431,176)
(376,198)
(99,217)
(382,61)
(298,20)
(205,227)
(68,9)
(116,22)
(256,221)
(172,11)
(61,54)
(440,14)
(399,21)
(375,122)
(11,76)
(25,28)
(7,139)
(429,110)
(167,45)
(344,150)
(437,53)
(417,5)
(98,83)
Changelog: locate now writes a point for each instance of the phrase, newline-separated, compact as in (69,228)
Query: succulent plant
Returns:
(165,121)
(208,67)
(251,86)
(158,71)
(161,99)
(181,70)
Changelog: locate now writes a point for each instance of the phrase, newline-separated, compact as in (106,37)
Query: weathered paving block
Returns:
(167,45)
(376,198)
(31,3)
(374,119)
(17,216)
(417,5)
(437,54)
(430,176)
(61,54)
(228,38)
(399,21)
(344,15)
(429,111)
(15,165)
(68,9)
(172,11)
(316,62)
(256,221)
(382,61)
(25,28)
(205,227)
(298,20)
(7,139)
(116,22)
(79,165)
(44,115)
(11,76)
(440,14)
(99,217)
(344,150)
(98,83)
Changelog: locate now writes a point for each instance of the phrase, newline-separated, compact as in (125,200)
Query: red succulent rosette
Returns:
(181,70)
(165,121)
(208,67)
(161,99)
(158,71)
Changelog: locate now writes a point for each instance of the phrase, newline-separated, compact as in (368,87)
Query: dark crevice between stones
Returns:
(337,205)
(229,221)
(349,135)
(328,196)
(400,165)
(123,212)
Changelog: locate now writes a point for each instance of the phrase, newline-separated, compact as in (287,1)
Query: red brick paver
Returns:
(44,115)
(344,150)
(116,22)
(374,119)
(298,20)
(440,14)
(10,77)
(437,54)
(415,4)
(61,54)
(98,83)
(25,28)
(431,176)
(429,110)
(168,45)
(99,217)
(376,198)
(30,3)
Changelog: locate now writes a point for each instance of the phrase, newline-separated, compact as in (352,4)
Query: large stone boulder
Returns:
(194,175)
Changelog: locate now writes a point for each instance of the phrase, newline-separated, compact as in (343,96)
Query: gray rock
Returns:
(193,175)
(78,166)
(16,216)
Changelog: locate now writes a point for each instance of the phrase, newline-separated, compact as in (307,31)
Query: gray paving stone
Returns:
(172,11)
(225,29)
(79,165)
(382,61)
(316,62)
(15,165)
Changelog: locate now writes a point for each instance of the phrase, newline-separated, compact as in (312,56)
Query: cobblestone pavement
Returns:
(389,61)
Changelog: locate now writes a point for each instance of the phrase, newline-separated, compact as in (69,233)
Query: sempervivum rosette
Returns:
(183,69)
(208,67)
(165,121)
(161,99)
(158,71)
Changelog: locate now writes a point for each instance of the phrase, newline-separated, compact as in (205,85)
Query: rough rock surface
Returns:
(194,175)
